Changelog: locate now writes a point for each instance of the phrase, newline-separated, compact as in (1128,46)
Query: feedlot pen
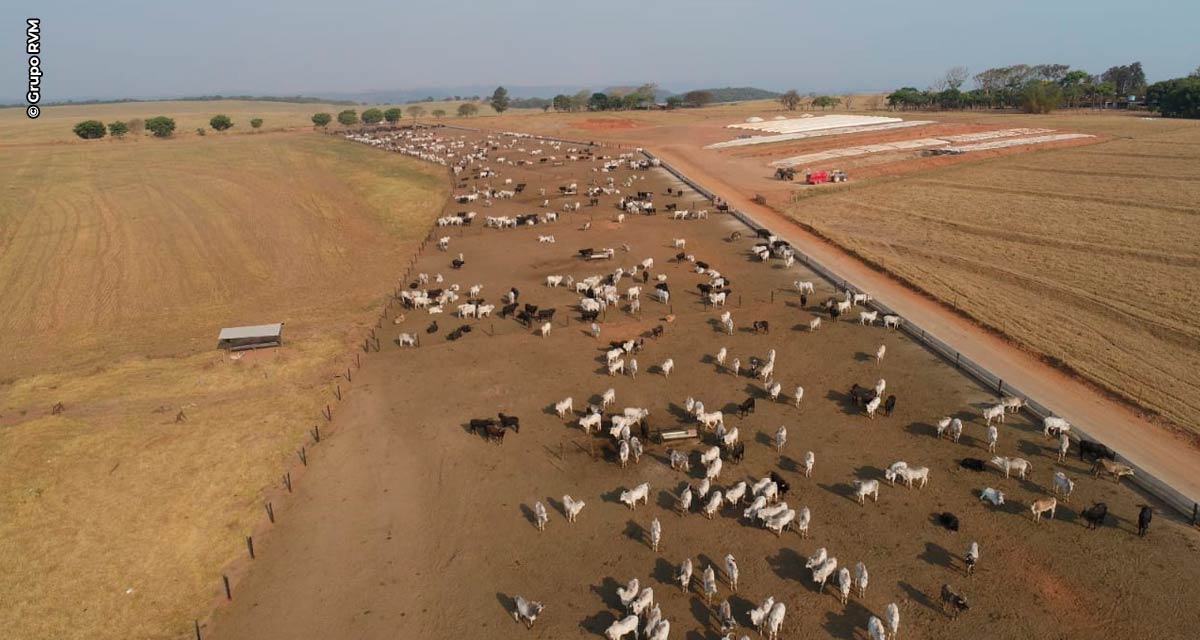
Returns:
(409,525)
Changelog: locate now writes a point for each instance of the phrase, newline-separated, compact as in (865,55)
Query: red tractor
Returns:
(821,177)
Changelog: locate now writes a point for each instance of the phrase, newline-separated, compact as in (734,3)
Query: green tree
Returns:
(697,98)
(372,116)
(438,113)
(161,126)
(348,117)
(790,99)
(1040,96)
(220,122)
(466,110)
(393,115)
(321,119)
(1177,98)
(90,130)
(256,123)
(674,102)
(415,112)
(598,102)
(1195,74)
(1127,80)
(201,131)
(826,101)
(579,101)
(500,99)
(118,129)
(561,102)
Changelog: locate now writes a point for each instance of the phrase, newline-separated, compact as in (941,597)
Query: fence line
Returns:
(1144,480)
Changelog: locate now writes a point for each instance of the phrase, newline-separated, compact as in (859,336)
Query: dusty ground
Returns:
(406,525)
(119,263)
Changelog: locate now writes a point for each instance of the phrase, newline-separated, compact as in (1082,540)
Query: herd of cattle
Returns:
(478,161)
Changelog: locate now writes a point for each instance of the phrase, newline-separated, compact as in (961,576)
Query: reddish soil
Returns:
(606,124)
(406,525)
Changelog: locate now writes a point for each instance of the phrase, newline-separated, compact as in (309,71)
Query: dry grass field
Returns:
(1089,255)
(119,262)
(56,122)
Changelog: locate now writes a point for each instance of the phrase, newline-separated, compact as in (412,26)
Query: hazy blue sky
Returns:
(182,47)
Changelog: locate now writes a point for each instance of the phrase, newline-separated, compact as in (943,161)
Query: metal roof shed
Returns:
(251,337)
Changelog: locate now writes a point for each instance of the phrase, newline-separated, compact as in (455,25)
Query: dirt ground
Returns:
(407,525)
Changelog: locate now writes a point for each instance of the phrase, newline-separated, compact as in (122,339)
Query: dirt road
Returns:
(1169,457)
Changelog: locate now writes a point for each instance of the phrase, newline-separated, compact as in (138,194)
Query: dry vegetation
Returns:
(1090,255)
(118,264)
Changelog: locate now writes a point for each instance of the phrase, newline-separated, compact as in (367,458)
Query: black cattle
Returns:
(889,405)
(477,424)
(545,314)
(531,308)
(948,520)
(784,486)
(704,288)
(1095,515)
(656,332)
(803,300)
(457,264)
(834,313)
(702,264)
(957,603)
(746,407)
(589,316)
(1144,517)
(763,233)
(645,276)
(433,293)
(974,464)
(861,395)
(432,328)
(454,335)
(510,422)
(735,453)
(586,253)
(680,257)
(761,325)
(466,328)
(662,286)
(515,293)
(524,317)
(508,310)
(1095,450)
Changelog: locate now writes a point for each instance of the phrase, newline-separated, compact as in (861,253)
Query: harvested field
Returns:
(1042,245)
(119,263)
(409,525)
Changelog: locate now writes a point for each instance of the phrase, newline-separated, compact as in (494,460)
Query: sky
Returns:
(131,48)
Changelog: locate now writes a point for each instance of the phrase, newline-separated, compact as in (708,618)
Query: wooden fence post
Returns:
(250,546)
(197,624)
(228,591)
(271,513)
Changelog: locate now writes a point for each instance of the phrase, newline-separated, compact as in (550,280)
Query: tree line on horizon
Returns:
(1042,88)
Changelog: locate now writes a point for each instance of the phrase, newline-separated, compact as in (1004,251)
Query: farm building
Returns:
(251,337)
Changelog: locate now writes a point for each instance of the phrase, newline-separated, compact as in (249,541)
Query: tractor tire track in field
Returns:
(1069,197)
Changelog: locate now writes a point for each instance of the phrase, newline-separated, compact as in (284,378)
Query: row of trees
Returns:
(792,100)
(1037,88)
(159,126)
(1176,98)
(351,117)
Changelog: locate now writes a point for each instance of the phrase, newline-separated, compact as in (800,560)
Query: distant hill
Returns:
(740,94)
(291,99)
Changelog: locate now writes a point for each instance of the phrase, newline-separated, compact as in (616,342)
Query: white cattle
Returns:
(914,474)
(572,507)
(684,576)
(864,488)
(809,460)
(867,317)
(540,516)
(655,535)
(992,436)
(608,397)
(667,367)
(798,395)
(894,470)
(526,611)
(639,493)
(408,339)
(861,579)
(891,322)
(1063,485)
(1020,465)
(735,493)
(622,628)
(994,412)
(780,438)
(993,496)
(563,407)
(544,330)
(844,584)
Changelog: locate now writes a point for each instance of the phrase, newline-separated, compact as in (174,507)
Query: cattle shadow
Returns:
(635,532)
(921,429)
(598,623)
(843,401)
(613,496)
(527,511)
(937,555)
(679,413)
(664,572)
(506,602)
(667,501)
(867,472)
(863,356)
(786,463)
(846,623)
(607,591)
(762,438)
(700,611)
(788,565)
(916,595)
(842,489)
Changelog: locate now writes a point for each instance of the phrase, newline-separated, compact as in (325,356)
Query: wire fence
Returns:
(1186,505)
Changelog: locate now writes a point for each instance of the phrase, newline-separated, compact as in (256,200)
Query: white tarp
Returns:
(792,125)
(801,135)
